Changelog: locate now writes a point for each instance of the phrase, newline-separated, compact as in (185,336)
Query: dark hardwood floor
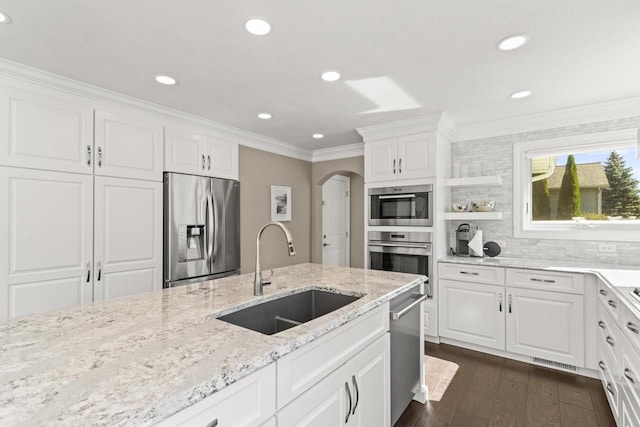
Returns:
(469,389)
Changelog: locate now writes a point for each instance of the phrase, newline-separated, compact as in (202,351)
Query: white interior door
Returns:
(128,237)
(335,221)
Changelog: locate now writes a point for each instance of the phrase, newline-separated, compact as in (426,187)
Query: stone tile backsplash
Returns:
(498,153)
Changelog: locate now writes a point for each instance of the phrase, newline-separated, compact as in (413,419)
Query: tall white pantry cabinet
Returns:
(80,201)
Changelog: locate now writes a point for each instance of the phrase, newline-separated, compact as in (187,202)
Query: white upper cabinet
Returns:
(46,240)
(128,237)
(190,152)
(43,132)
(127,147)
(405,157)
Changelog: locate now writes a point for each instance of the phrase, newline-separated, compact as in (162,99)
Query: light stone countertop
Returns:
(620,278)
(139,359)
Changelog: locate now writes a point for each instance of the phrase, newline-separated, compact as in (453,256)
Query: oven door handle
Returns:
(397,196)
(395,315)
(400,245)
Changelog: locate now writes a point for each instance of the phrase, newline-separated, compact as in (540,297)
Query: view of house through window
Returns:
(593,186)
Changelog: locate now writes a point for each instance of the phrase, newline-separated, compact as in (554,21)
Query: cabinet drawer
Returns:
(631,328)
(611,388)
(630,374)
(249,402)
(609,300)
(548,280)
(472,273)
(609,340)
(300,370)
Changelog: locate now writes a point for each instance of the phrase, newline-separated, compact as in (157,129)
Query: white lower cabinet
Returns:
(473,313)
(249,402)
(357,394)
(548,325)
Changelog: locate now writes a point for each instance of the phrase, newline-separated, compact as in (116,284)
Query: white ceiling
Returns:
(439,53)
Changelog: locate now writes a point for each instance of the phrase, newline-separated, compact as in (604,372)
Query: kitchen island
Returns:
(140,359)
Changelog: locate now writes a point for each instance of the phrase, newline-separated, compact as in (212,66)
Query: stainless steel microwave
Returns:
(410,205)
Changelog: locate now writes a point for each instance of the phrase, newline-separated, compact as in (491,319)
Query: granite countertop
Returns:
(140,359)
(622,279)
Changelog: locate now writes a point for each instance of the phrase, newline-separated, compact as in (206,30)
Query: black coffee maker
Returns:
(463,236)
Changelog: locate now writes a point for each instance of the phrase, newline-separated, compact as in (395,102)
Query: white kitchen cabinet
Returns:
(473,313)
(405,157)
(356,394)
(192,153)
(128,237)
(46,132)
(544,324)
(127,146)
(46,240)
(249,402)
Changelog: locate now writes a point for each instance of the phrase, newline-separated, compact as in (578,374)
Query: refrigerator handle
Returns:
(214,221)
(210,227)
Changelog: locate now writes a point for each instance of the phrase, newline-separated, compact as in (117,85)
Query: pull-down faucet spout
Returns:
(258,282)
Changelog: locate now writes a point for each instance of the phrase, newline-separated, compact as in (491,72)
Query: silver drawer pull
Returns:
(603,292)
(628,375)
(610,389)
(632,327)
(533,279)
(612,303)
(610,341)
(473,273)
(213,423)
(602,324)
(602,366)
(395,315)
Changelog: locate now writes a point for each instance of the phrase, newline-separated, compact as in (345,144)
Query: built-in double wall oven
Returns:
(410,205)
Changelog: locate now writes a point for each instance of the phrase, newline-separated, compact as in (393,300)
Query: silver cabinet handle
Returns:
(603,292)
(632,327)
(399,314)
(346,386)
(88,271)
(533,279)
(510,301)
(500,304)
(99,267)
(88,155)
(394,166)
(213,423)
(628,374)
(355,387)
(209,162)
(610,341)
(602,366)
(203,162)
(400,165)
(472,273)
(612,303)
(602,324)
(99,157)
(610,389)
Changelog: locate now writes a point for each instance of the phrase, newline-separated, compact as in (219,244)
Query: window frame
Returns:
(524,227)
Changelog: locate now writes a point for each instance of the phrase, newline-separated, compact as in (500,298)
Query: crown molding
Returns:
(341,152)
(411,126)
(34,76)
(597,112)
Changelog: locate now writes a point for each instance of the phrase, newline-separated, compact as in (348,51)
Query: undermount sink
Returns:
(283,313)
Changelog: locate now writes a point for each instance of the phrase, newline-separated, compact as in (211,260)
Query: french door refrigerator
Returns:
(201,228)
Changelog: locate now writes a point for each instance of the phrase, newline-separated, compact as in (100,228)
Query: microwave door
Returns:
(225,196)
(186,227)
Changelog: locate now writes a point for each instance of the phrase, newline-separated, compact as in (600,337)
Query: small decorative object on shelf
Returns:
(484,206)
(459,207)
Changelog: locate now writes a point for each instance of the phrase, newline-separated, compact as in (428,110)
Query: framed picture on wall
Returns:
(280,203)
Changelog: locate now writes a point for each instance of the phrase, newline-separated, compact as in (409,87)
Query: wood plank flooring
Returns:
(487,390)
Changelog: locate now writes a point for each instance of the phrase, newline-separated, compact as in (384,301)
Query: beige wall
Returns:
(352,167)
(259,170)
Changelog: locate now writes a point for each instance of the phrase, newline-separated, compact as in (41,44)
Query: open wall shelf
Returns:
(475,216)
(474,181)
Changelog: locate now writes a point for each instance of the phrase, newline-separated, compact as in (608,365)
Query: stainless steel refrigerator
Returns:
(201,228)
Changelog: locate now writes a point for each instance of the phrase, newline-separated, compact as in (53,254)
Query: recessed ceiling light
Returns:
(5,19)
(521,94)
(330,76)
(264,116)
(257,27)
(513,42)
(318,135)
(166,80)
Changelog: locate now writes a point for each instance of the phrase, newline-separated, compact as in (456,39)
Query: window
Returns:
(584,187)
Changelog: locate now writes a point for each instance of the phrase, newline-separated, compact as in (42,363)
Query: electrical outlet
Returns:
(606,247)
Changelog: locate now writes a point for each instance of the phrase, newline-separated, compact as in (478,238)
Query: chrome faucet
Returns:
(258,282)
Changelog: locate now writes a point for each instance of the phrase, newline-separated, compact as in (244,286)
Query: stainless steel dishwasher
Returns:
(406,349)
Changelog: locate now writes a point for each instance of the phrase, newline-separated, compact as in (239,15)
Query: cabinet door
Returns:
(221,158)
(45,132)
(415,156)
(472,313)
(128,237)
(183,152)
(549,325)
(46,237)
(380,160)
(128,147)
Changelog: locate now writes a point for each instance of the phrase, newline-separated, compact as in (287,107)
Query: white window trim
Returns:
(628,231)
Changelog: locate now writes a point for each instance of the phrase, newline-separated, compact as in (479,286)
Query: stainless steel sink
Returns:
(283,313)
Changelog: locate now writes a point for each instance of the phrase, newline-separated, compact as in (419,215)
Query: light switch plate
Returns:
(606,247)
